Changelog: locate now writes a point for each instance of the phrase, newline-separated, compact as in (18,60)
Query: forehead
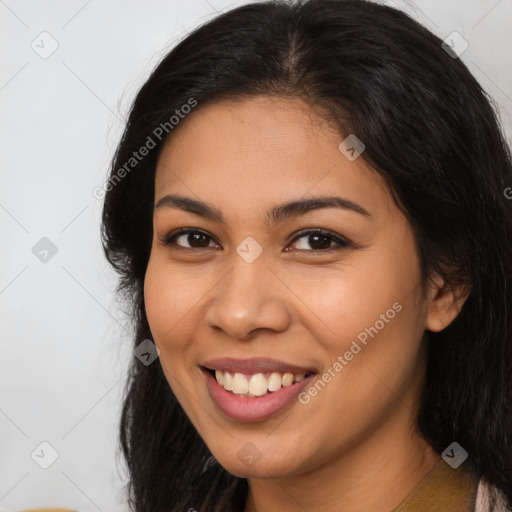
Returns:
(259,151)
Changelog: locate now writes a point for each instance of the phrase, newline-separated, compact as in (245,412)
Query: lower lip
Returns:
(244,408)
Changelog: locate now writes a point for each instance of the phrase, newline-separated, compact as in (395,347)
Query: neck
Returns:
(368,478)
(375,472)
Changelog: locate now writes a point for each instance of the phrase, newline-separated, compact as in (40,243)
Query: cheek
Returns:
(169,298)
(166,306)
(373,322)
(159,300)
(381,341)
(344,302)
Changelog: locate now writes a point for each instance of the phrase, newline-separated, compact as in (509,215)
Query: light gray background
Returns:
(64,345)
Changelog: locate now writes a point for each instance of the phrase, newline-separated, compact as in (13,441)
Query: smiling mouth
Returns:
(255,385)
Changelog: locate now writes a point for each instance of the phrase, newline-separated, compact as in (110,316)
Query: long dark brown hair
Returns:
(429,130)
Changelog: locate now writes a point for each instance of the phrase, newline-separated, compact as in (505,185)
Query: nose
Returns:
(249,297)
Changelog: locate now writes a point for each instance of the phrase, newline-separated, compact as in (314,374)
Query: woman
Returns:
(308,211)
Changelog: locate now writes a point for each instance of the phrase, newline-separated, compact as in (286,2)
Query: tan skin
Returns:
(356,442)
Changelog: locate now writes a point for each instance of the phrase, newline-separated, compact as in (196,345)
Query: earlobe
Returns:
(445,303)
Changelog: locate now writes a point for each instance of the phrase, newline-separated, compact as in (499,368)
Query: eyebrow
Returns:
(275,215)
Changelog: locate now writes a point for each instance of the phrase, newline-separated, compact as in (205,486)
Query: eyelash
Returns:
(343,243)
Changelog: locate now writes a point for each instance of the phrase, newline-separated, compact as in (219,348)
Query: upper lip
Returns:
(255,365)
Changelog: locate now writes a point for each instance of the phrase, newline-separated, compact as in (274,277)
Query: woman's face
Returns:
(344,306)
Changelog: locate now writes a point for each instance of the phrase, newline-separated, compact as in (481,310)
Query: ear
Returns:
(444,303)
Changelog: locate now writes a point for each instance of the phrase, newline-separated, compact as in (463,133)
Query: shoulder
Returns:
(484,496)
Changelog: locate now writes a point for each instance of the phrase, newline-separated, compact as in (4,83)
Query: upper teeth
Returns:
(257,384)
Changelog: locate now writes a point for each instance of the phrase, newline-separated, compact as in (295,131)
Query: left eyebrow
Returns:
(274,216)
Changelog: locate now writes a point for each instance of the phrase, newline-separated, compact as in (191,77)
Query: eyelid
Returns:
(342,242)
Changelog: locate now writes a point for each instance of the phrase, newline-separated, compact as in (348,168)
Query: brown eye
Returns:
(195,238)
(319,241)
(315,240)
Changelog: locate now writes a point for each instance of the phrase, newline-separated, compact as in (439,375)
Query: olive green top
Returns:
(443,489)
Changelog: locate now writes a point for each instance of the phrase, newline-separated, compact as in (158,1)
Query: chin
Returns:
(247,465)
